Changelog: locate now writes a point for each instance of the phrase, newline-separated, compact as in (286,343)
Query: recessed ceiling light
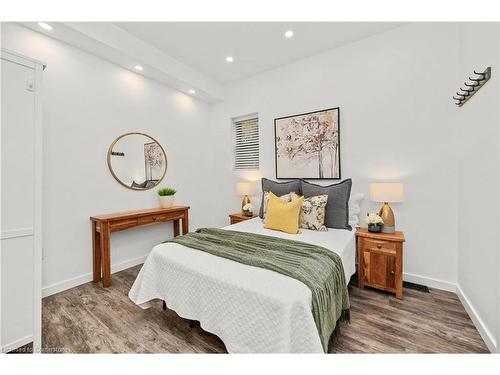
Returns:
(229,59)
(44,26)
(192,92)
(288,34)
(139,68)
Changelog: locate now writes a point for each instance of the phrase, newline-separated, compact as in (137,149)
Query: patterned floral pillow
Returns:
(312,213)
(287,198)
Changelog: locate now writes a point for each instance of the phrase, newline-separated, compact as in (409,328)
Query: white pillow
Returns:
(355,209)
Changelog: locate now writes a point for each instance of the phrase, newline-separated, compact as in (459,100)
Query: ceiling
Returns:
(256,47)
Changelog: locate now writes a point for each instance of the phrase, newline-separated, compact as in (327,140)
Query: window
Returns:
(246,142)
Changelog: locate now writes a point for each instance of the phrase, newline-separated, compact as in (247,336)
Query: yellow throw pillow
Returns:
(283,216)
(284,198)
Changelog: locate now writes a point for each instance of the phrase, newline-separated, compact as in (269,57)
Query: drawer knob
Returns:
(392,272)
(154,218)
(379,246)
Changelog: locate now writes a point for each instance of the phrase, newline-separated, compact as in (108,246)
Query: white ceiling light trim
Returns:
(45,26)
(139,68)
(288,34)
(229,59)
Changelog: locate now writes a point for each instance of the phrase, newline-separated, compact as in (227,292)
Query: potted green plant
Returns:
(375,222)
(166,195)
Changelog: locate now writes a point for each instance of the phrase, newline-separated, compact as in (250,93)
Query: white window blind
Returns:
(246,143)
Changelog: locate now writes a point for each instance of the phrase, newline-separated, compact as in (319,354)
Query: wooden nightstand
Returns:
(238,217)
(380,260)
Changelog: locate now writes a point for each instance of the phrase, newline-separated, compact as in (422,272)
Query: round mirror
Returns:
(137,161)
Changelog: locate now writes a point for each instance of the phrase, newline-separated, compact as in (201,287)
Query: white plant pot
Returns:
(167,201)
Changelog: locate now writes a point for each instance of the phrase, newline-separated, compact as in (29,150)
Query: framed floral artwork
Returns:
(307,145)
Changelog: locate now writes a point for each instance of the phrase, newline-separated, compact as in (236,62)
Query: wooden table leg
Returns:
(185,223)
(96,252)
(176,227)
(105,255)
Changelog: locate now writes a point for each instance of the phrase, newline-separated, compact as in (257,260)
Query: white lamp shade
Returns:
(387,192)
(246,188)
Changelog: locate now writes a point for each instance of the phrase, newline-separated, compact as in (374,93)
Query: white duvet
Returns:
(253,310)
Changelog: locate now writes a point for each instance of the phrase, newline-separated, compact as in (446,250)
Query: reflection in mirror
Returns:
(137,161)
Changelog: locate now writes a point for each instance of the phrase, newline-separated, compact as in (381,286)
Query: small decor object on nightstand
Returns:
(166,196)
(246,189)
(375,222)
(247,210)
(385,193)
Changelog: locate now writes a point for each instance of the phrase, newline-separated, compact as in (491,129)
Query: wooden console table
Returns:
(103,225)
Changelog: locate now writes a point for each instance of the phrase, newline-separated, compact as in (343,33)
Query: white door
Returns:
(19,252)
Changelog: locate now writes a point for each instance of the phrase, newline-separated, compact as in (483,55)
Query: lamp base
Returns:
(388,216)
(388,229)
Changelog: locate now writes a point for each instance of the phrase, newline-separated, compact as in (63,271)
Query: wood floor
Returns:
(90,319)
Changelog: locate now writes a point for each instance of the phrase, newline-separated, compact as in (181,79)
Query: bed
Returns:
(253,310)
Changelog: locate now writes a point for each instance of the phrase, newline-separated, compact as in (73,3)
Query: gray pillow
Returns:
(337,207)
(279,189)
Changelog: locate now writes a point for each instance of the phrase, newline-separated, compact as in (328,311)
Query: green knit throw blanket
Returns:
(317,267)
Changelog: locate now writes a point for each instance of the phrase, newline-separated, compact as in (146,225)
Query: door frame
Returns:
(38,68)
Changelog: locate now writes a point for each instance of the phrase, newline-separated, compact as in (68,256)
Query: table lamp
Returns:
(387,192)
(246,189)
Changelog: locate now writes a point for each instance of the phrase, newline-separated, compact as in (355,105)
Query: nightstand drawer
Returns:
(235,220)
(384,246)
(238,218)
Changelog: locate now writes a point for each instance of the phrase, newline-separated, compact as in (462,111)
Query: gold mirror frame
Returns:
(116,177)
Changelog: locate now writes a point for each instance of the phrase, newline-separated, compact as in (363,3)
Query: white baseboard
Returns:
(430,282)
(16,344)
(486,335)
(85,278)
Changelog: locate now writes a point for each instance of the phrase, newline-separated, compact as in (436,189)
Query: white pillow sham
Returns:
(355,209)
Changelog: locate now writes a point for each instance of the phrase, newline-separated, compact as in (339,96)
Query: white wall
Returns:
(478,173)
(397,122)
(394,92)
(88,102)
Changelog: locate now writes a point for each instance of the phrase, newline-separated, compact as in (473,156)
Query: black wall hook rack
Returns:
(471,89)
